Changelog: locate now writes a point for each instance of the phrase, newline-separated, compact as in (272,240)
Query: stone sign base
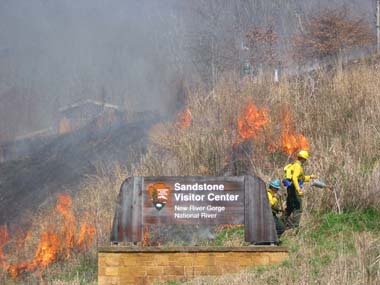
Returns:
(119,265)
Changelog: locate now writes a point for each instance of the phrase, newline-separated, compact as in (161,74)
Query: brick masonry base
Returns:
(119,265)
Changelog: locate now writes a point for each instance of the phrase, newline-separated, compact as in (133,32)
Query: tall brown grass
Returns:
(93,204)
(339,113)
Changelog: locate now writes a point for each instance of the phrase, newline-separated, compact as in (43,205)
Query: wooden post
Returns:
(127,222)
(259,222)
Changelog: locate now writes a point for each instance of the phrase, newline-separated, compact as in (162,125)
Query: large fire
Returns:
(252,121)
(56,243)
(290,142)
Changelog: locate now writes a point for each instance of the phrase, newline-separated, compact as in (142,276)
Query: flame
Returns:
(4,238)
(228,227)
(184,119)
(16,270)
(290,142)
(64,126)
(64,207)
(86,236)
(146,238)
(252,121)
(55,244)
(22,238)
(293,143)
(47,251)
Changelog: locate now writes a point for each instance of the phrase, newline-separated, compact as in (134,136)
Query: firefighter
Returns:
(293,180)
(275,204)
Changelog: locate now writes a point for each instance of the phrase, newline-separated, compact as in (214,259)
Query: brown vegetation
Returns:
(339,117)
(67,230)
(330,32)
(263,44)
(337,114)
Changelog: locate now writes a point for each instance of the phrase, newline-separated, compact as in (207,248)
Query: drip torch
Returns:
(320,184)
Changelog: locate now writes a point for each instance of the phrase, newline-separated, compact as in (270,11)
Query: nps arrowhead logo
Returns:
(159,194)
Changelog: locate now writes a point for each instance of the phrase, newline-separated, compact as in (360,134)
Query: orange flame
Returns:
(290,141)
(22,238)
(184,119)
(293,143)
(252,121)
(68,231)
(63,205)
(55,244)
(251,124)
(86,236)
(146,238)
(4,238)
(64,126)
(47,251)
(16,270)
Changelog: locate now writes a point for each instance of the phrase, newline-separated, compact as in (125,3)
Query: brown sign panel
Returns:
(193,200)
(164,202)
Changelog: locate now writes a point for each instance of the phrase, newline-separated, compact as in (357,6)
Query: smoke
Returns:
(131,53)
(59,52)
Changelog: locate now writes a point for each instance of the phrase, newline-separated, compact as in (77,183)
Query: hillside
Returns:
(256,126)
(242,126)
(60,163)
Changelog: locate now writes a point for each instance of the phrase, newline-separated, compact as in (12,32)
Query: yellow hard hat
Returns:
(303,154)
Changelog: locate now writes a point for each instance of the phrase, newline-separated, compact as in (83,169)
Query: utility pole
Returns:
(378,26)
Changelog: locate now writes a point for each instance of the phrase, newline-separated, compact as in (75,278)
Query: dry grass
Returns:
(359,265)
(92,205)
(329,249)
(341,118)
(98,195)
(338,112)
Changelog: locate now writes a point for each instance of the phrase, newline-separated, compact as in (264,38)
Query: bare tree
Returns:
(212,38)
(262,45)
(330,32)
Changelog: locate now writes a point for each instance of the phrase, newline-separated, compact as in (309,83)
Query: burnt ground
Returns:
(60,163)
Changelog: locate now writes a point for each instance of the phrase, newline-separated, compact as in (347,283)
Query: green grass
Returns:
(226,235)
(332,234)
(327,235)
(83,272)
(173,282)
(330,225)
